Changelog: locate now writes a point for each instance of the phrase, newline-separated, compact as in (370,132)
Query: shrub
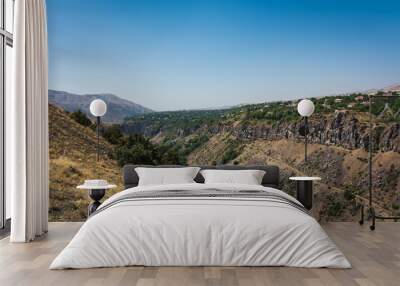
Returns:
(113,134)
(137,150)
(233,150)
(335,209)
(81,118)
(349,194)
(229,155)
(168,155)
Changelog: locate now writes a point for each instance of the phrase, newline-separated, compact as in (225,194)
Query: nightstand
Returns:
(97,190)
(304,193)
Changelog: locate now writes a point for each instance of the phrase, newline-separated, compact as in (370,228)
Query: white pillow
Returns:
(166,176)
(248,177)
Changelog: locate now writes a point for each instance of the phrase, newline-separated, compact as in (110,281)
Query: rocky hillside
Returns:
(338,121)
(72,160)
(341,128)
(117,108)
(344,172)
(264,133)
(268,133)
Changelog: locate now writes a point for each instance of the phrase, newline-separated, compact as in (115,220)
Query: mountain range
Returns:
(117,108)
(390,88)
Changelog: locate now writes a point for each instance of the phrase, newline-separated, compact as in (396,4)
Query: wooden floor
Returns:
(375,257)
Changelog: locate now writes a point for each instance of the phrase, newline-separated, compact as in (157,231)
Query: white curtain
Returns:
(27,124)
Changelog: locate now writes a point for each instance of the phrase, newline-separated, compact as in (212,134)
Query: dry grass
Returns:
(339,168)
(72,160)
(210,152)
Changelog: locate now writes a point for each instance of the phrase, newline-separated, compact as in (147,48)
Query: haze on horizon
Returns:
(173,55)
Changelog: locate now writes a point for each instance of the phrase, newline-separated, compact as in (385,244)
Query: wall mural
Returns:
(263,131)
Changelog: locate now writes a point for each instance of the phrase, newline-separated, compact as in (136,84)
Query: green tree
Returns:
(137,150)
(169,157)
(113,134)
(81,118)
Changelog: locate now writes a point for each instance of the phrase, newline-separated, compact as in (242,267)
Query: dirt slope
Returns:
(72,160)
(343,172)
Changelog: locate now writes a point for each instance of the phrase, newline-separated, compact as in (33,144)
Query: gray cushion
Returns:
(270,179)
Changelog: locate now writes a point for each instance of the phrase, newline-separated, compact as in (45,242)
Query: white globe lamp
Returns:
(98,108)
(305,109)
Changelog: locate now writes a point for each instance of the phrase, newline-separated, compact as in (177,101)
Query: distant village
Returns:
(356,98)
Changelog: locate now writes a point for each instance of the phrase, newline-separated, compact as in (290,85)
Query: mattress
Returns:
(201,225)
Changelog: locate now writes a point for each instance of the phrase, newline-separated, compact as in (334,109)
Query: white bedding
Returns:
(200,231)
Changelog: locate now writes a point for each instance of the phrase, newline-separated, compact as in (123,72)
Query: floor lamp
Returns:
(371,210)
(98,108)
(305,109)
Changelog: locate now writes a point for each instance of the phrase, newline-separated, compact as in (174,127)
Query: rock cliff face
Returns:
(341,129)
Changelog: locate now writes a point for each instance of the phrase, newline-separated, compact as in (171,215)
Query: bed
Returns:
(198,224)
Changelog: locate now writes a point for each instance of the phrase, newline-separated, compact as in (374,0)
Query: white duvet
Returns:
(199,231)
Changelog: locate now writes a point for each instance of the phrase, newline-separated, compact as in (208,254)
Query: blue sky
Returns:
(169,55)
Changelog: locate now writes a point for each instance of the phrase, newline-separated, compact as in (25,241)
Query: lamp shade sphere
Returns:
(305,107)
(98,107)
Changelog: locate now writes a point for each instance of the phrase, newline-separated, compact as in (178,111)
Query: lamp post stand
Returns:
(98,108)
(371,210)
(306,138)
(305,108)
(98,138)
